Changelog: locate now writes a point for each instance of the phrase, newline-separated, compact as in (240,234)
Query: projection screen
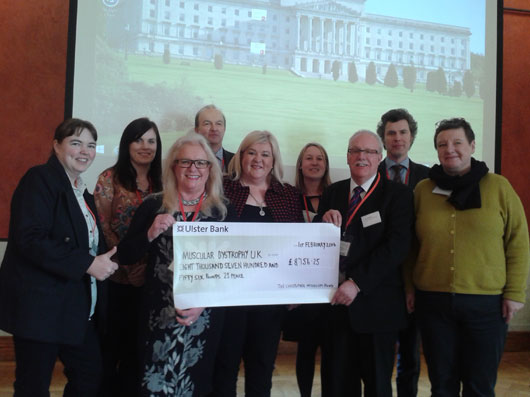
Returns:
(304,70)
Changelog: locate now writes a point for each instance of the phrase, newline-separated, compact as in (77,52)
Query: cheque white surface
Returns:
(234,264)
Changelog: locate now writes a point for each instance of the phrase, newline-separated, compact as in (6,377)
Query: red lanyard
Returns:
(184,218)
(307,208)
(139,196)
(406,175)
(362,201)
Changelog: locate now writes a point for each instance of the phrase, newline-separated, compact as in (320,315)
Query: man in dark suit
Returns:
(210,122)
(375,216)
(397,128)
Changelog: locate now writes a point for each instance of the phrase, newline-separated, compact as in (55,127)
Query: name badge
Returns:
(344,247)
(443,192)
(371,219)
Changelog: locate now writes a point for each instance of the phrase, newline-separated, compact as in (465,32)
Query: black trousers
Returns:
(121,363)
(35,362)
(251,333)
(463,340)
(351,360)
(408,359)
(314,319)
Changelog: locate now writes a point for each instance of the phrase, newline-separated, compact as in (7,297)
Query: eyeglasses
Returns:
(186,163)
(356,150)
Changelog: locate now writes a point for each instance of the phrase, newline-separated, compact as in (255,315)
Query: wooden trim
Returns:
(516,341)
(7,352)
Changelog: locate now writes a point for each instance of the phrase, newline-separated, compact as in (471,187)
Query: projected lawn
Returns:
(298,110)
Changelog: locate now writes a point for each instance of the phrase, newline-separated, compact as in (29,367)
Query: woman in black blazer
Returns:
(49,297)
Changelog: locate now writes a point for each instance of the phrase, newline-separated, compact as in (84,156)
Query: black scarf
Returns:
(465,189)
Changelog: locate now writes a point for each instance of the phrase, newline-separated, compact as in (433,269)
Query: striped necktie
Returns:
(397,173)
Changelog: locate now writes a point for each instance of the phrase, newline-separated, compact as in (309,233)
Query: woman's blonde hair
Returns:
(299,180)
(214,205)
(234,168)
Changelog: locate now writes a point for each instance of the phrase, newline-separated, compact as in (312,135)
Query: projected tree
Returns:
(409,77)
(335,70)
(391,78)
(371,76)
(469,84)
(352,73)
(441,81)
(218,61)
(456,90)
(432,82)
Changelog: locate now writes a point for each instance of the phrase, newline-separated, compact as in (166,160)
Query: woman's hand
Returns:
(509,308)
(188,316)
(161,223)
(102,267)
(333,216)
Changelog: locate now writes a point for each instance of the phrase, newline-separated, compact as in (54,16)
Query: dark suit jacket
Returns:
(227,157)
(44,288)
(418,172)
(376,253)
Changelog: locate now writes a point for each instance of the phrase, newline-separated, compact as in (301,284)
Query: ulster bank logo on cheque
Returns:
(189,228)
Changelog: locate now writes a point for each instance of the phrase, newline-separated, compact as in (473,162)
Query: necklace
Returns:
(260,204)
(192,202)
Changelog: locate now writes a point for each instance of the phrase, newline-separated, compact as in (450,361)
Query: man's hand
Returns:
(333,216)
(345,294)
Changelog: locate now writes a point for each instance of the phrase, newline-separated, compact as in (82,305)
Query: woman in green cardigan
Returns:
(471,266)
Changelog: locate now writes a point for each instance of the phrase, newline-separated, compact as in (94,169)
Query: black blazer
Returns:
(418,172)
(376,252)
(44,287)
(227,157)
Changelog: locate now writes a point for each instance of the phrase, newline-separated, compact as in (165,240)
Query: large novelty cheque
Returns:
(233,264)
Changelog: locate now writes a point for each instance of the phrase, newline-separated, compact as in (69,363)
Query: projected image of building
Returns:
(309,38)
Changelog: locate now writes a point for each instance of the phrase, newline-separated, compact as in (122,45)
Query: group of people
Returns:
(440,252)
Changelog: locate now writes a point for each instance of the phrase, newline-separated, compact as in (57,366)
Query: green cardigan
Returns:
(482,251)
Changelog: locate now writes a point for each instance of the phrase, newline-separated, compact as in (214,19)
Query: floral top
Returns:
(116,207)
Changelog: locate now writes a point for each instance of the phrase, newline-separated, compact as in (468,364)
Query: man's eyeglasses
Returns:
(186,163)
(356,150)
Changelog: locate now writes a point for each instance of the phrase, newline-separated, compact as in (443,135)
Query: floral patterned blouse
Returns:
(116,207)
(177,360)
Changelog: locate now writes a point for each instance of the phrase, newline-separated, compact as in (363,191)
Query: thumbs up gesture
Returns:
(102,267)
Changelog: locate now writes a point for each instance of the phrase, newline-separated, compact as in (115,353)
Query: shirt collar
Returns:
(389,163)
(366,185)
(219,154)
(79,184)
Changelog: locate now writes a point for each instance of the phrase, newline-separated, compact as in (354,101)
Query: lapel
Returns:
(73,211)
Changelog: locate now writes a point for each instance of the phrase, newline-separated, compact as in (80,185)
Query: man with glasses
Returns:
(210,122)
(397,128)
(368,308)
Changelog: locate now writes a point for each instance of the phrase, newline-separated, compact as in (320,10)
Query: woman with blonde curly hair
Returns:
(179,346)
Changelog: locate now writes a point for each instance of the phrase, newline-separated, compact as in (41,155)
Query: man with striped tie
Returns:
(376,219)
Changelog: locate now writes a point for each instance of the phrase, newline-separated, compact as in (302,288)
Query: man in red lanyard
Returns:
(210,122)
(368,308)
(397,128)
